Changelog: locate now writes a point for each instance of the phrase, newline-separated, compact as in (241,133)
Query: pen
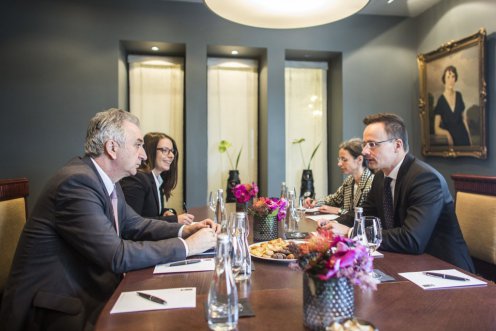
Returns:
(152,298)
(184,207)
(186,262)
(450,277)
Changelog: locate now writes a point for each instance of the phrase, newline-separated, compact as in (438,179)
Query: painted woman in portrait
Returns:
(450,118)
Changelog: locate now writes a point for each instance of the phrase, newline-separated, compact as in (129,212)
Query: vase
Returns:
(307,189)
(242,207)
(265,228)
(232,181)
(326,300)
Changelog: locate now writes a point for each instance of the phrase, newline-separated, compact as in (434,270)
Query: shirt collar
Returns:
(394,174)
(109,185)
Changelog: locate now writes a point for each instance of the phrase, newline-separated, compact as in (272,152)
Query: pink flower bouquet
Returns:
(245,192)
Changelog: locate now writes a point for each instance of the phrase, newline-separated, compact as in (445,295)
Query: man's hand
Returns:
(185,218)
(188,230)
(335,227)
(309,203)
(201,240)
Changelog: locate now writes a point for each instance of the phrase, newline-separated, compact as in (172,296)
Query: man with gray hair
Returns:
(82,236)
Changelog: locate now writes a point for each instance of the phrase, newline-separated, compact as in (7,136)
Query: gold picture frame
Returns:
(453,98)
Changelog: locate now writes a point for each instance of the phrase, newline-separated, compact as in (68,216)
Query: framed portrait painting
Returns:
(453,97)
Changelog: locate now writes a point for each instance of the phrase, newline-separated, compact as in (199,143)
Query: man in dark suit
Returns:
(420,217)
(82,236)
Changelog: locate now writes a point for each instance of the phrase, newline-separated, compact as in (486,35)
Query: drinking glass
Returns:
(211,202)
(373,232)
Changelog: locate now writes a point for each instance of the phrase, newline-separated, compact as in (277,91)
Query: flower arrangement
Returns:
(298,142)
(223,147)
(264,207)
(245,192)
(327,256)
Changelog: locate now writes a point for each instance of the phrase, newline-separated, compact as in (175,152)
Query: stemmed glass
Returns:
(211,202)
(373,233)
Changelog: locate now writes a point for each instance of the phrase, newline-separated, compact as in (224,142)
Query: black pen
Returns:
(186,262)
(152,298)
(184,207)
(450,277)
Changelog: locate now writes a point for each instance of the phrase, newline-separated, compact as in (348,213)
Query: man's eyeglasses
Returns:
(374,144)
(166,151)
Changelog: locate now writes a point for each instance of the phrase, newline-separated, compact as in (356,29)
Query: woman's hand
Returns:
(185,218)
(309,203)
(329,210)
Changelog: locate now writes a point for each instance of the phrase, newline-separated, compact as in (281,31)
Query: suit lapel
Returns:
(154,192)
(407,162)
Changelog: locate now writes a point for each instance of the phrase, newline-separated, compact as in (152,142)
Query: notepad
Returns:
(204,265)
(327,217)
(184,297)
(434,283)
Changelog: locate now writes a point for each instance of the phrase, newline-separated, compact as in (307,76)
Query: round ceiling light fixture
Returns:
(285,14)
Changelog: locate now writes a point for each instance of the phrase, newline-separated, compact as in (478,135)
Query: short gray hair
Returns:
(104,126)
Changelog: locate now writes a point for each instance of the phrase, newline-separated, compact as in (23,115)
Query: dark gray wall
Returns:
(61,62)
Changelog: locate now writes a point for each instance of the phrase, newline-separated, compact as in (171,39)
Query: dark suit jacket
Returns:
(69,259)
(141,194)
(424,215)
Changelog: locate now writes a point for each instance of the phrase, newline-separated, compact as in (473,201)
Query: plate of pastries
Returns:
(277,250)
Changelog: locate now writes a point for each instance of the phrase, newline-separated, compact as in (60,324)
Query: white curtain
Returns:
(306,105)
(232,116)
(156,97)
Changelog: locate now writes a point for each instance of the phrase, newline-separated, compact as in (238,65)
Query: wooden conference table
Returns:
(275,293)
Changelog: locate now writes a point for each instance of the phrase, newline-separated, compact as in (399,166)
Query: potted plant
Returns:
(267,213)
(243,194)
(332,265)
(307,189)
(233,178)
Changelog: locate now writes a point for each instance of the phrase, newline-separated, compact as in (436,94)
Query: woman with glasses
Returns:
(156,178)
(353,192)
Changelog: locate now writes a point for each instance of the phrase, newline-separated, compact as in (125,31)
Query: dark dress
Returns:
(453,120)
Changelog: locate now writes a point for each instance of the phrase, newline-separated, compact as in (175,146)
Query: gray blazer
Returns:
(69,259)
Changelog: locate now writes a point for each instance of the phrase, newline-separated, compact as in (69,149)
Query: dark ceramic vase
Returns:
(265,228)
(232,181)
(307,189)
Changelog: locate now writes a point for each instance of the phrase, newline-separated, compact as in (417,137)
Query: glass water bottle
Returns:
(223,295)
(358,231)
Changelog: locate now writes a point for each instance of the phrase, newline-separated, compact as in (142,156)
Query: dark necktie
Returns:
(113,198)
(388,204)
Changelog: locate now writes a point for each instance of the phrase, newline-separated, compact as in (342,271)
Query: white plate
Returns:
(274,260)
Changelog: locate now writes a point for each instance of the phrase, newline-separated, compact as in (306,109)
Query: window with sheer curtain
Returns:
(156,96)
(306,107)
(232,116)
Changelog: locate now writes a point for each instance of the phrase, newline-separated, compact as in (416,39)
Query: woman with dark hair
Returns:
(156,178)
(450,118)
(355,188)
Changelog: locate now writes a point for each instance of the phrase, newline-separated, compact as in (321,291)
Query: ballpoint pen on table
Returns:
(152,298)
(450,277)
(186,262)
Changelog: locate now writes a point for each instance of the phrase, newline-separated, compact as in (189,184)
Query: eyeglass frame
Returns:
(166,151)
(374,144)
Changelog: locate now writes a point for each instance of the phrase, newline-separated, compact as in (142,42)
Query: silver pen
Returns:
(185,262)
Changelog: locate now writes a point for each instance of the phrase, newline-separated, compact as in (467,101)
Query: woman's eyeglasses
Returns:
(167,151)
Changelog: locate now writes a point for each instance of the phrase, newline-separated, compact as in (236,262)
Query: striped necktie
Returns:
(388,204)
(113,198)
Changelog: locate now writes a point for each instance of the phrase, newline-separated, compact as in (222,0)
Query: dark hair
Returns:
(354,147)
(450,69)
(393,124)
(170,177)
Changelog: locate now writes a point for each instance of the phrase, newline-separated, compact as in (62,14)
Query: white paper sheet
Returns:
(204,265)
(377,254)
(327,217)
(176,298)
(432,283)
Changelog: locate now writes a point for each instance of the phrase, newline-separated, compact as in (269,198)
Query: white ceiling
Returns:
(406,8)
